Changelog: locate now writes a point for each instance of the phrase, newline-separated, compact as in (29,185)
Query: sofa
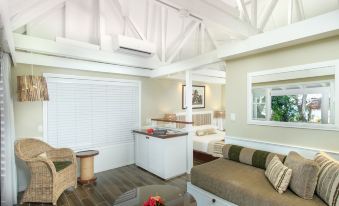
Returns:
(227,182)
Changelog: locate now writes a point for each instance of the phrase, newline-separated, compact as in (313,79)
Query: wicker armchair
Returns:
(52,170)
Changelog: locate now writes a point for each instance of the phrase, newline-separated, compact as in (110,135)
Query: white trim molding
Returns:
(294,72)
(280,148)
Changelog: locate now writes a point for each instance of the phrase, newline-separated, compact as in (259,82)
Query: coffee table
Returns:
(171,195)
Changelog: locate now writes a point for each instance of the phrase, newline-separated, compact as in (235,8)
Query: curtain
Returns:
(8,169)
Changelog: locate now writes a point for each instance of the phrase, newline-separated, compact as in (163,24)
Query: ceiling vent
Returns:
(133,46)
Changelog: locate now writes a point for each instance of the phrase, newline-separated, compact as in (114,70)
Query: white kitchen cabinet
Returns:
(164,157)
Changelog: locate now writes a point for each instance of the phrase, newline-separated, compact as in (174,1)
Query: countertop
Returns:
(171,135)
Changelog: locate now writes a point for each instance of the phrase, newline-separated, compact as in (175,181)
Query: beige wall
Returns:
(158,97)
(235,93)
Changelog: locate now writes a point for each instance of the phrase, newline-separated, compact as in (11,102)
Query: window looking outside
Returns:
(303,103)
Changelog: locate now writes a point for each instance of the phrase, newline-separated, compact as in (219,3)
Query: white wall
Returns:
(236,95)
(158,96)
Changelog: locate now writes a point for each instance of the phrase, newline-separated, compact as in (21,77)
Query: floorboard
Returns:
(110,184)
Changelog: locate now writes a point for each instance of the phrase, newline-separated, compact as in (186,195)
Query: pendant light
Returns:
(32,88)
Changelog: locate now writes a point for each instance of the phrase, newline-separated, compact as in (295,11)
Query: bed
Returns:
(208,147)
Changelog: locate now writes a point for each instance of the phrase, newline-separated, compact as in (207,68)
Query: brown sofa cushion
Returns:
(243,185)
(304,175)
(256,158)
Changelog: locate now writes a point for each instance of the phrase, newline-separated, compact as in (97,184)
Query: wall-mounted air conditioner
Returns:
(134,46)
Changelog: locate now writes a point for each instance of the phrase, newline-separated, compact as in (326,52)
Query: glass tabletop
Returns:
(171,195)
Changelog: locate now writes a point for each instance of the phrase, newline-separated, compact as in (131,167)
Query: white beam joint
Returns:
(267,14)
(182,43)
(243,11)
(22,19)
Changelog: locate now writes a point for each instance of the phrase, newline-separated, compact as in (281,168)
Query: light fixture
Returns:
(32,88)
(170,116)
(219,116)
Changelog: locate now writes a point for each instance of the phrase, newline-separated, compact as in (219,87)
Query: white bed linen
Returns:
(202,143)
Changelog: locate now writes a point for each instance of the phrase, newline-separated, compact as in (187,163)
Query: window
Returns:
(304,102)
(85,112)
(301,96)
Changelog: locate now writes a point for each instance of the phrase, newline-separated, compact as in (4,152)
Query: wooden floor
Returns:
(110,184)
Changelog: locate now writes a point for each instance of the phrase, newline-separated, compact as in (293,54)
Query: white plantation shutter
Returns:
(8,169)
(90,112)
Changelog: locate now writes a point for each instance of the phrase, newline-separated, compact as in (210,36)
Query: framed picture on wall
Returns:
(198,97)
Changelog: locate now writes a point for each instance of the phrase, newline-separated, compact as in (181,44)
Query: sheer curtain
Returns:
(8,169)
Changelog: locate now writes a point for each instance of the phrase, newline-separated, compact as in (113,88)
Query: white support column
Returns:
(189,127)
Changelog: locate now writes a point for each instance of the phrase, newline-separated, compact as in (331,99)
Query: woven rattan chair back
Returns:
(29,148)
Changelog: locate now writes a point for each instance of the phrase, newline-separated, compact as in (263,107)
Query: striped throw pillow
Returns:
(278,174)
(328,180)
(256,158)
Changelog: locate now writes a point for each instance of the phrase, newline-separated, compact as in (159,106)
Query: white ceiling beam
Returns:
(243,11)
(254,13)
(188,64)
(210,36)
(7,31)
(202,38)
(22,19)
(44,46)
(67,63)
(311,29)
(186,36)
(209,13)
(22,7)
(300,10)
(199,78)
(224,6)
(136,28)
(163,16)
(267,14)
(99,22)
(150,16)
(290,11)
(210,72)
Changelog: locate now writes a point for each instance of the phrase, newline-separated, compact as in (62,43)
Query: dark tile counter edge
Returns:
(161,136)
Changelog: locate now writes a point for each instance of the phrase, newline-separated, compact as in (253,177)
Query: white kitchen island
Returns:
(162,155)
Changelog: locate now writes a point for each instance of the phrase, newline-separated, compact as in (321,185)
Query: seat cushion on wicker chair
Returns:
(60,165)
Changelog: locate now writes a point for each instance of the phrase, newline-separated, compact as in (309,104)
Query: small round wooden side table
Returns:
(87,166)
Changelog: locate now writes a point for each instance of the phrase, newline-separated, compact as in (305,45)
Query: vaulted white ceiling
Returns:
(180,29)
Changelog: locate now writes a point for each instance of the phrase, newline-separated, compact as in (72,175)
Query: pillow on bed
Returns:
(204,132)
(201,127)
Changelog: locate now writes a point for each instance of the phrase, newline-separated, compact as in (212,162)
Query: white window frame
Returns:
(99,79)
(294,72)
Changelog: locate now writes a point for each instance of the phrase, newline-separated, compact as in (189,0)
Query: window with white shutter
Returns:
(85,112)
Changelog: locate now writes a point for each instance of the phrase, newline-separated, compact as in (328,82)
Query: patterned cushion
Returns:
(328,180)
(256,158)
(278,174)
(304,176)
